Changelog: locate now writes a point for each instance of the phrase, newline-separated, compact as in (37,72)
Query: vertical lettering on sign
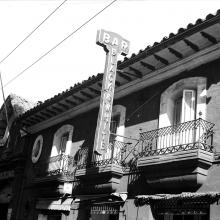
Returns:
(114,45)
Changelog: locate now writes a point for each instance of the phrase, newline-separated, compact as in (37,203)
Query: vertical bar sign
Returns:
(113,45)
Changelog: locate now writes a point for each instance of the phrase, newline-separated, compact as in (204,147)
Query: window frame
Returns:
(198,84)
(55,150)
(37,140)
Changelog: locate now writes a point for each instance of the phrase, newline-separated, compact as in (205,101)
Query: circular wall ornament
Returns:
(37,148)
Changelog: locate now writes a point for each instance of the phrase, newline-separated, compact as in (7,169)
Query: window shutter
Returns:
(188,105)
(63,142)
(113,127)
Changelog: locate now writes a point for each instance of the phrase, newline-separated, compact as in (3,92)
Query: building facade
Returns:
(12,159)
(162,161)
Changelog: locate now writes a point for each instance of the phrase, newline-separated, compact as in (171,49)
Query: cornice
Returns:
(202,57)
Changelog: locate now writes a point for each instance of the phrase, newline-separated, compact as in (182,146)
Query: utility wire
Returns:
(33,31)
(57,45)
(139,107)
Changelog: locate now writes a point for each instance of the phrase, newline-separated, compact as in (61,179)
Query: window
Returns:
(113,127)
(37,148)
(185,100)
(184,107)
(117,125)
(62,141)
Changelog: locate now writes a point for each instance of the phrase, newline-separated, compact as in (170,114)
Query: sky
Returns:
(142,22)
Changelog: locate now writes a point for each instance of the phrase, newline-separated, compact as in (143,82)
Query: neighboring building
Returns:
(12,160)
(163,161)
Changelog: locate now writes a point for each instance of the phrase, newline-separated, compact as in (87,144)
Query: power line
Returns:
(33,31)
(54,47)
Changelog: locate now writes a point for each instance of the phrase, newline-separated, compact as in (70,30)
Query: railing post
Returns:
(62,162)
(199,131)
(185,136)
(112,150)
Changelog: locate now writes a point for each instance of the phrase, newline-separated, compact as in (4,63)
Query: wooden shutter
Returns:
(113,127)
(63,141)
(188,105)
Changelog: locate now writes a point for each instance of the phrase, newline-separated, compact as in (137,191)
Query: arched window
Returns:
(181,103)
(62,140)
(37,148)
(117,128)
(185,100)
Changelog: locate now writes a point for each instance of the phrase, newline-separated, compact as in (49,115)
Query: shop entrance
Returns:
(183,217)
(104,217)
(4,211)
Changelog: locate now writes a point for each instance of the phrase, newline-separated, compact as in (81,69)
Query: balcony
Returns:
(104,172)
(177,156)
(60,167)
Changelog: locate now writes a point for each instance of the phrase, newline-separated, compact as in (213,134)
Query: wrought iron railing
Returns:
(60,164)
(196,134)
(114,155)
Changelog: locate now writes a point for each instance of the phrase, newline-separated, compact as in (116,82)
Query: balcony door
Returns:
(184,111)
(184,107)
(113,127)
(63,142)
(111,149)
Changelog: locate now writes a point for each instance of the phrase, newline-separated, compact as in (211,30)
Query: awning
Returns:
(101,204)
(209,197)
(105,208)
(119,196)
(54,204)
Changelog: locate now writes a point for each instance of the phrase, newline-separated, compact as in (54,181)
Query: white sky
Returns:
(142,22)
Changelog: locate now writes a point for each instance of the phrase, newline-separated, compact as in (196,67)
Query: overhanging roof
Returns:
(187,42)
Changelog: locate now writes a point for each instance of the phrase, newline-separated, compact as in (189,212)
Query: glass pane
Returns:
(178,110)
(36,149)
(63,141)
(188,106)
(114,124)
(113,127)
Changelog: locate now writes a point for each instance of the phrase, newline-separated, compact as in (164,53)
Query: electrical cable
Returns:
(147,101)
(32,31)
(57,45)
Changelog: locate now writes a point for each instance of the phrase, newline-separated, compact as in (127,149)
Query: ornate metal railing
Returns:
(196,134)
(60,164)
(114,155)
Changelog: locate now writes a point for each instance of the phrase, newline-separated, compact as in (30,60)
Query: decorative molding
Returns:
(169,95)
(202,57)
(36,152)
(56,140)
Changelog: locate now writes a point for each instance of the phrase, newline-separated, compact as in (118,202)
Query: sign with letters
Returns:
(114,45)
